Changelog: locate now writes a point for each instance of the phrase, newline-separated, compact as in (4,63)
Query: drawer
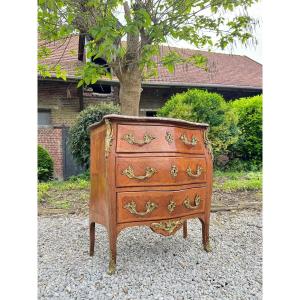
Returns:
(151,138)
(151,171)
(157,205)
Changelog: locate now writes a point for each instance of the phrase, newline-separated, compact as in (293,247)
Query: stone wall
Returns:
(63,100)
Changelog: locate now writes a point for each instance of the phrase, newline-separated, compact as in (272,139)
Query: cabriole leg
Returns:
(185,229)
(112,254)
(205,235)
(92,238)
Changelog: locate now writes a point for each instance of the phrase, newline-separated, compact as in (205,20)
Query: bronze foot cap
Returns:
(207,247)
(111,268)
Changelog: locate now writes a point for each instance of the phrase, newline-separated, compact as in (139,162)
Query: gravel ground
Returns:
(150,266)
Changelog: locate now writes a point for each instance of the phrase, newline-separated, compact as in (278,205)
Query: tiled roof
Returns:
(65,53)
(224,69)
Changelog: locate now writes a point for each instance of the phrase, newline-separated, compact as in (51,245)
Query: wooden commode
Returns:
(149,171)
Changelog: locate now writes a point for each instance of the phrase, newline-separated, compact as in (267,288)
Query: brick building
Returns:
(59,101)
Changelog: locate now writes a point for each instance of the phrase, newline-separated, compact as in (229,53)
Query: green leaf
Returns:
(80,83)
(155,20)
(170,59)
(198,60)
(143,18)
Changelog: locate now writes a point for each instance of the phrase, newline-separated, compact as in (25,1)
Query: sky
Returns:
(254,52)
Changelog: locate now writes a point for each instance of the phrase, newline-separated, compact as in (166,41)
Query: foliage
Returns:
(235,127)
(239,165)
(203,106)
(84,176)
(235,181)
(43,189)
(248,147)
(145,25)
(45,165)
(79,139)
(78,184)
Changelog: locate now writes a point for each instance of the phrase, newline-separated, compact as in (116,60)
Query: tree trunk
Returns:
(130,93)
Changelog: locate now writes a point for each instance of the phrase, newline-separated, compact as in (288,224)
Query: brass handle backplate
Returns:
(174,171)
(169,137)
(186,141)
(131,206)
(169,226)
(130,139)
(197,174)
(171,206)
(188,205)
(130,173)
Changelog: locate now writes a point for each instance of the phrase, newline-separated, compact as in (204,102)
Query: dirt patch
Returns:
(76,201)
(222,200)
(235,198)
(65,202)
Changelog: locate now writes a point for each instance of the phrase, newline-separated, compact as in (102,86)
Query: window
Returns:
(151,113)
(44,117)
(100,88)
(97,87)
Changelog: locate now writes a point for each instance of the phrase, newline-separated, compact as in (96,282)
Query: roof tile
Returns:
(223,69)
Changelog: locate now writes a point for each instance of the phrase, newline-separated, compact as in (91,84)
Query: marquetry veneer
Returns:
(149,171)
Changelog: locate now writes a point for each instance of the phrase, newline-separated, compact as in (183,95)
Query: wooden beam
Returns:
(80,95)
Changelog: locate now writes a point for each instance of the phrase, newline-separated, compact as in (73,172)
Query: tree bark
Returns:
(128,71)
(130,93)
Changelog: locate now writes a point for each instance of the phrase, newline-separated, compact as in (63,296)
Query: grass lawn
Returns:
(63,194)
(73,195)
(237,181)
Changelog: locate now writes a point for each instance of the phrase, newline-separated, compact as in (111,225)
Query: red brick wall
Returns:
(51,139)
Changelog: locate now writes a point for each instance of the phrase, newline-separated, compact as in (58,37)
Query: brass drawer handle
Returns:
(130,139)
(197,174)
(150,206)
(188,205)
(130,173)
(186,141)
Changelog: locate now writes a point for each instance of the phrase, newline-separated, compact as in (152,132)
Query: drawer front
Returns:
(152,171)
(157,205)
(151,138)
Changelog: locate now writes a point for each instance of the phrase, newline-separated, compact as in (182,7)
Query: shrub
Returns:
(83,176)
(203,106)
(248,147)
(79,139)
(45,165)
(239,165)
(43,189)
